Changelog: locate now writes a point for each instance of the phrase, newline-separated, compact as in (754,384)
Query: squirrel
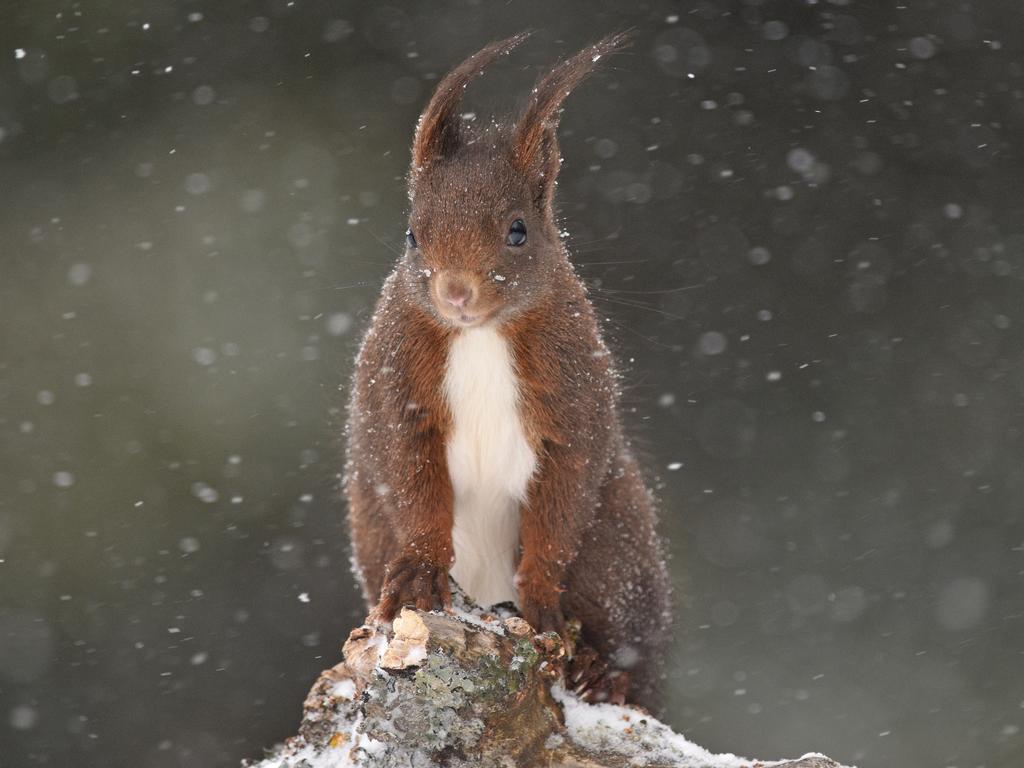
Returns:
(484,439)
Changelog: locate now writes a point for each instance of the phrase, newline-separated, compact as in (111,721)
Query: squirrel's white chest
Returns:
(489,460)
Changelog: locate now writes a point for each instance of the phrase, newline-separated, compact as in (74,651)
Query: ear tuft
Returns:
(534,143)
(437,132)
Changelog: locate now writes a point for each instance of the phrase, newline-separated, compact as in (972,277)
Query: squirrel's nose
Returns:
(457,300)
(457,292)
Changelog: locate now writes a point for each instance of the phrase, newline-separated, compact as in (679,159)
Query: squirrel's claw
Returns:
(412,581)
(593,681)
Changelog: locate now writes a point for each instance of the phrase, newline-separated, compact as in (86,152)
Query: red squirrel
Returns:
(484,439)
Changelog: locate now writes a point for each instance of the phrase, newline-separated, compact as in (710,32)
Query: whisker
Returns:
(635,332)
(338,287)
(575,243)
(596,246)
(618,261)
(390,246)
(635,305)
(680,289)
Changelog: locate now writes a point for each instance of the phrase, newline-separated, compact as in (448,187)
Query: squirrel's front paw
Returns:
(409,579)
(544,618)
(540,599)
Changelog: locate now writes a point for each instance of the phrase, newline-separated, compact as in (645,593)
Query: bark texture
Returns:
(475,689)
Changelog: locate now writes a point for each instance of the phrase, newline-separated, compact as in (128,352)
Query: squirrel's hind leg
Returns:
(373,541)
(617,586)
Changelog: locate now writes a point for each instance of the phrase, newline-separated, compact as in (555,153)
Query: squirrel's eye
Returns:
(410,239)
(516,233)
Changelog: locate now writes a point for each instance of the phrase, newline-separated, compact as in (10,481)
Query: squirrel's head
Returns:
(482,242)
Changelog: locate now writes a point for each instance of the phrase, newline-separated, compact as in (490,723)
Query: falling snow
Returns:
(799,227)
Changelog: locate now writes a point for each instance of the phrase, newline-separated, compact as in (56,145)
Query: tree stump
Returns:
(475,689)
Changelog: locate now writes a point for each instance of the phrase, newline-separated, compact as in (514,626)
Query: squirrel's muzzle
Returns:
(457,297)
(456,291)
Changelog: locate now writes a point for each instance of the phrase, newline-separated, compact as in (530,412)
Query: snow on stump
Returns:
(472,689)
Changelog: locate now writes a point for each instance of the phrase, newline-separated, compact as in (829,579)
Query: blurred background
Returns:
(802,223)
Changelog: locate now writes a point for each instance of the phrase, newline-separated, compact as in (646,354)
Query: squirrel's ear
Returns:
(534,142)
(437,132)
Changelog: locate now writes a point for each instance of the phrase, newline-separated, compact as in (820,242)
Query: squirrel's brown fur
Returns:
(588,547)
